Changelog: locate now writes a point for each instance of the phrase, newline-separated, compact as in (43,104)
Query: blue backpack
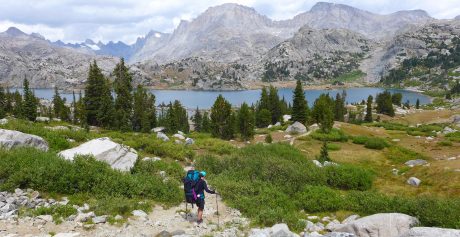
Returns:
(190,180)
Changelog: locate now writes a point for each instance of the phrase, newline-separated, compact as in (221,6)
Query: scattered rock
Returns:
(178,232)
(3,121)
(412,163)
(396,140)
(164,233)
(288,117)
(189,141)
(84,217)
(103,149)
(178,142)
(281,230)
(158,129)
(313,127)
(42,119)
(379,225)
(395,171)
(413,181)
(179,136)
(448,130)
(317,163)
(139,213)
(75,234)
(99,219)
(431,232)
(162,136)
(11,139)
(296,128)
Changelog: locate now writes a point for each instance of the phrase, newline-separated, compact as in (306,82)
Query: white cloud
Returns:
(105,20)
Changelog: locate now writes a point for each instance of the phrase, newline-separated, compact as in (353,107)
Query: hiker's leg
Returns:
(200,214)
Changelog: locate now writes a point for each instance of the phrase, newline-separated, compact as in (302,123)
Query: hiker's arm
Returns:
(207,189)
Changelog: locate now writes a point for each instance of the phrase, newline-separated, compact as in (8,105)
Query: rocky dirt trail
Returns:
(161,221)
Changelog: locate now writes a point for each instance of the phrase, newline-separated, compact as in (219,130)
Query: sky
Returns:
(126,20)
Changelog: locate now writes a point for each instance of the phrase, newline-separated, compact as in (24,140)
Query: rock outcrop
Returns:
(296,128)
(118,156)
(379,225)
(12,139)
(431,232)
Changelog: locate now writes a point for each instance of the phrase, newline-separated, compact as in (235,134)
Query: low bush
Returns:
(335,135)
(45,171)
(216,146)
(375,143)
(454,137)
(422,130)
(58,212)
(445,143)
(360,139)
(401,155)
(333,147)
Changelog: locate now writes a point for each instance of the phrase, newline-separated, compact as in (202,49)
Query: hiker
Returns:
(200,187)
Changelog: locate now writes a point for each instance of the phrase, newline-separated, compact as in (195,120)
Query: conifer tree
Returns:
(18,108)
(340,110)
(197,119)
(396,99)
(385,103)
(417,104)
(323,112)
(123,102)
(300,107)
(246,122)
(9,101)
(144,116)
(94,92)
(106,111)
(205,123)
(3,98)
(30,102)
(274,105)
(324,154)
(368,117)
(263,114)
(222,123)
(59,108)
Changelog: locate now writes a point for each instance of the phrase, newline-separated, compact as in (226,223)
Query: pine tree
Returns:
(324,154)
(274,105)
(59,108)
(417,104)
(94,91)
(340,110)
(222,124)
(197,120)
(144,116)
(176,118)
(30,102)
(9,101)
(368,117)
(3,98)
(123,101)
(300,106)
(396,99)
(205,123)
(106,111)
(385,103)
(263,110)
(323,112)
(246,122)
(18,108)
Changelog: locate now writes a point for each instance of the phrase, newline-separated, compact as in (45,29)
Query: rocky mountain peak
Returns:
(327,6)
(413,14)
(13,31)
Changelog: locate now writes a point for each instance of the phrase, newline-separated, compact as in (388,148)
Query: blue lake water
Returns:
(205,99)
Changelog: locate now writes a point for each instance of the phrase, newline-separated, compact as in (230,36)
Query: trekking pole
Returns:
(218,216)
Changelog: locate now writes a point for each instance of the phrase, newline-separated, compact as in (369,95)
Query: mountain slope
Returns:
(44,64)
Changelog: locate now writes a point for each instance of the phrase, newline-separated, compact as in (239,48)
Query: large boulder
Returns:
(431,232)
(12,139)
(103,149)
(286,117)
(456,119)
(296,128)
(379,225)
(278,230)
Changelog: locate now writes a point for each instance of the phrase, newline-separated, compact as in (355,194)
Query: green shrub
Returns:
(216,146)
(360,140)
(375,143)
(445,143)
(333,147)
(268,138)
(401,155)
(454,137)
(335,135)
(45,171)
(57,211)
(319,199)
(348,177)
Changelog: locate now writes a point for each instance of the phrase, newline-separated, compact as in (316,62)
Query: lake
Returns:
(205,99)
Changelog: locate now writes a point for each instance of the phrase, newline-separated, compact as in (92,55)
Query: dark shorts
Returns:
(200,203)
